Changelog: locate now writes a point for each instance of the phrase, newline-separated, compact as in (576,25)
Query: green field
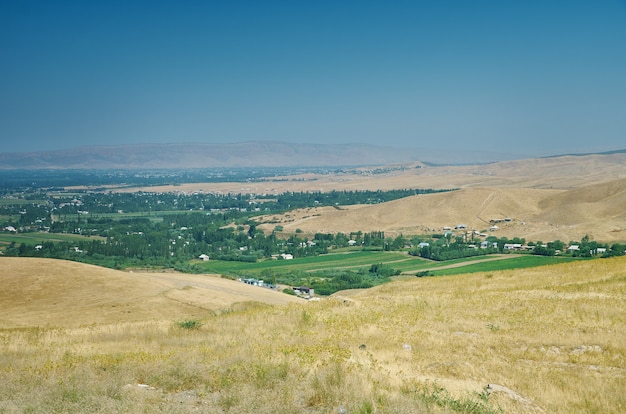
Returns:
(356,260)
(348,260)
(509,263)
(19,202)
(151,215)
(37,238)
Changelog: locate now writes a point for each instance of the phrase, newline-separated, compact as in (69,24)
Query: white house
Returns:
(203,257)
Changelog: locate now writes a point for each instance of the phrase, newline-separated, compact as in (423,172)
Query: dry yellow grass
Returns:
(57,293)
(550,339)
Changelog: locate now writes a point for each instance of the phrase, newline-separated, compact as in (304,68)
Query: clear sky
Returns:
(535,76)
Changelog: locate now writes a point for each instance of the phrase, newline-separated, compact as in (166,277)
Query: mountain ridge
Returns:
(251,153)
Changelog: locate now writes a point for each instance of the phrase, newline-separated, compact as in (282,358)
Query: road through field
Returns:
(463,264)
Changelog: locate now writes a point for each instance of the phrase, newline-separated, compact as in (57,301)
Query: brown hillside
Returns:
(48,292)
(536,214)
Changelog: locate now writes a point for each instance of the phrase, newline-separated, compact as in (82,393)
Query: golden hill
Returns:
(544,340)
(48,292)
(536,214)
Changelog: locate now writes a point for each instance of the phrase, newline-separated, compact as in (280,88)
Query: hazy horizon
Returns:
(529,78)
(492,156)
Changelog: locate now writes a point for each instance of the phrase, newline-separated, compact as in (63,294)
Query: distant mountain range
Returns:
(246,154)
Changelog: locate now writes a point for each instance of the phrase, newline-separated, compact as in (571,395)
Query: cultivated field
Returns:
(77,338)
(357,260)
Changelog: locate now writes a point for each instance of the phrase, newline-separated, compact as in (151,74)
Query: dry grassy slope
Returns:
(557,172)
(608,197)
(48,292)
(473,207)
(597,210)
(552,339)
(541,320)
(538,214)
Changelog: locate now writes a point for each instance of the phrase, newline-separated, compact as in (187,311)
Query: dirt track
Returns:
(455,265)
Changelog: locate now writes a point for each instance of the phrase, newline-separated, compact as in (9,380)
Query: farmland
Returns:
(358,259)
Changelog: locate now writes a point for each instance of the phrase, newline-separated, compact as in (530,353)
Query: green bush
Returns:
(190,324)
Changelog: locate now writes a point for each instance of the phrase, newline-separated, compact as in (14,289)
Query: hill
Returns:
(548,339)
(57,293)
(243,154)
(536,214)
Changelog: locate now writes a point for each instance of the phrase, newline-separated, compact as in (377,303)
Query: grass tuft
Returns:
(190,324)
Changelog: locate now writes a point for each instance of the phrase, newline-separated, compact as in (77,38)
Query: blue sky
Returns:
(522,77)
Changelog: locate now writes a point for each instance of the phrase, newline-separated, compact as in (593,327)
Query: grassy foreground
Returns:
(550,339)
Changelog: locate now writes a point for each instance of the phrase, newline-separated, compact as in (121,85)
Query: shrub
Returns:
(190,324)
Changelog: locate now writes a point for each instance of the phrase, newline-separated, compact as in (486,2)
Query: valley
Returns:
(163,330)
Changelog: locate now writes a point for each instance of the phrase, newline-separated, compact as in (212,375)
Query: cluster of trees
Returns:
(329,282)
(152,232)
(20,180)
(333,198)
(176,238)
(447,247)
(48,211)
(586,248)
